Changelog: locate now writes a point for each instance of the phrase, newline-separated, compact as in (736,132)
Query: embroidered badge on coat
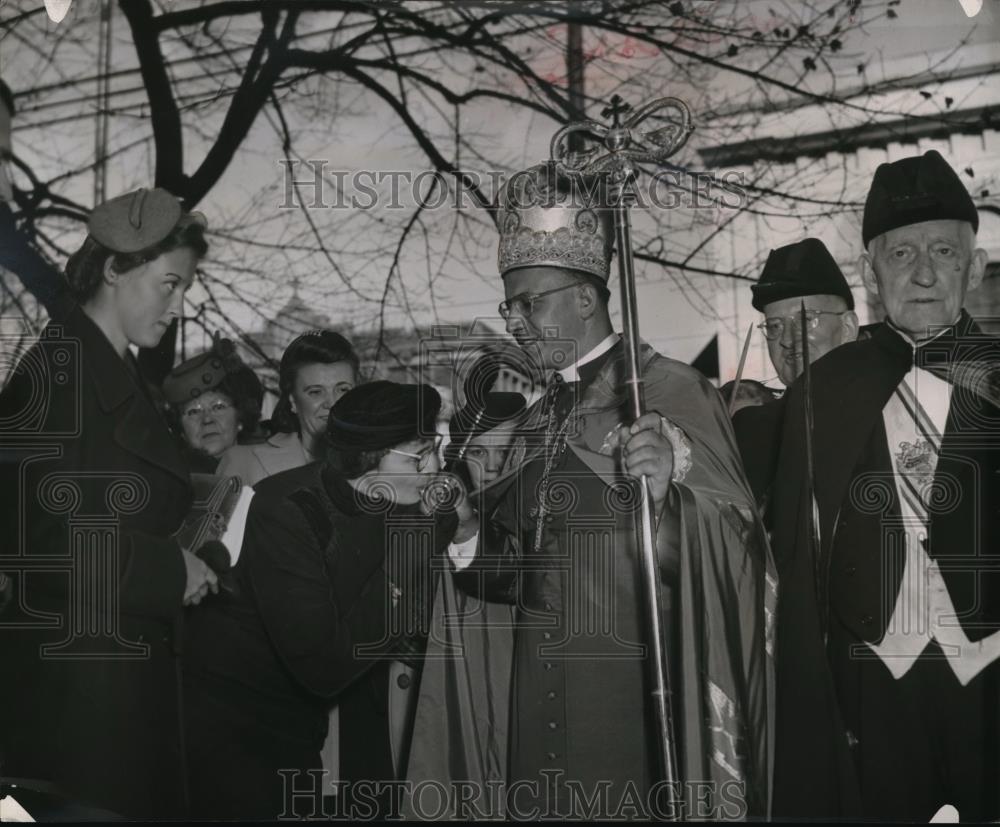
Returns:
(916,460)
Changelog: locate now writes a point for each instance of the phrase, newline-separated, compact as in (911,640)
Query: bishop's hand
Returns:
(647,451)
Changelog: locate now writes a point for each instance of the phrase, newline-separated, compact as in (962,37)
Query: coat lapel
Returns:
(140,428)
(842,432)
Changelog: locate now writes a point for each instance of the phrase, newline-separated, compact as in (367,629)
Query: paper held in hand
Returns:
(219,513)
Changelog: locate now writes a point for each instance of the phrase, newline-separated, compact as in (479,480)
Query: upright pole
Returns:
(103,104)
(627,146)
(649,562)
(575,77)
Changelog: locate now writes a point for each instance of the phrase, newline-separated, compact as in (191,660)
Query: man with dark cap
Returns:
(797,274)
(558,541)
(888,621)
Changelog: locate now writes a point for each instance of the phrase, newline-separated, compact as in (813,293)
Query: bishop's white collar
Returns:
(571,374)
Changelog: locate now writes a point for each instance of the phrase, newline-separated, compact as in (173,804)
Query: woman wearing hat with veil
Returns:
(89,709)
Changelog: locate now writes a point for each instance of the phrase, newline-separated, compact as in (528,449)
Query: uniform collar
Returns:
(915,344)
(572,373)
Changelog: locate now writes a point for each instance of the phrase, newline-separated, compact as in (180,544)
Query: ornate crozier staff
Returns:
(626,148)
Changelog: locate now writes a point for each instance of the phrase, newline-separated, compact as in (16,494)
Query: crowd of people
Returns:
(824,558)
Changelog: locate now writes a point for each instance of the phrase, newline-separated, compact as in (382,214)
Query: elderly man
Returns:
(888,695)
(797,274)
(559,542)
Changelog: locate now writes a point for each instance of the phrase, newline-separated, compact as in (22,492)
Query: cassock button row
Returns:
(553,725)
(403,681)
(551,695)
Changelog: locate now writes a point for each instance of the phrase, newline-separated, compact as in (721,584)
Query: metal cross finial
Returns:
(616,108)
(626,143)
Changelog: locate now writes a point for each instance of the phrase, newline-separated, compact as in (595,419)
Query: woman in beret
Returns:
(333,586)
(214,402)
(316,369)
(93,711)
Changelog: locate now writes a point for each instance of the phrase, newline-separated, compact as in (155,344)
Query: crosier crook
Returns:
(626,148)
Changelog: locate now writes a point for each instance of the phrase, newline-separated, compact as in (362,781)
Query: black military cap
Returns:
(137,220)
(913,190)
(805,268)
(381,414)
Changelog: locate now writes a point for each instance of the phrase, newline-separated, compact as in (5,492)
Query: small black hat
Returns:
(805,268)
(913,190)
(496,408)
(382,414)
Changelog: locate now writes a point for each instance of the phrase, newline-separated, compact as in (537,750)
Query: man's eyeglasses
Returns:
(524,303)
(774,327)
(423,457)
(214,409)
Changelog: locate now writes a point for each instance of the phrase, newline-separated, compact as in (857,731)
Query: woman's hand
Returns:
(200,579)
(447,491)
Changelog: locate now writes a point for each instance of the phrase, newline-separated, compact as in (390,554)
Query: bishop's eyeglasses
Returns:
(774,326)
(524,303)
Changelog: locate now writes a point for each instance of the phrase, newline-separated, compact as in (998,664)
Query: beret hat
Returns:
(382,414)
(137,220)
(804,268)
(914,190)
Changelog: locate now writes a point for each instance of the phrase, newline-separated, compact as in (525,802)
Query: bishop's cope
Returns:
(888,638)
(557,540)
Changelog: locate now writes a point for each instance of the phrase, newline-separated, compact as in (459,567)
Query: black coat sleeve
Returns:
(330,616)
(84,473)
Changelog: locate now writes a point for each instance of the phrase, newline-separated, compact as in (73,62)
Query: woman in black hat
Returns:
(214,402)
(316,369)
(482,430)
(333,588)
(481,435)
(89,701)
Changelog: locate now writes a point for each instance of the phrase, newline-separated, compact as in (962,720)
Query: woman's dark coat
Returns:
(89,464)
(327,586)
